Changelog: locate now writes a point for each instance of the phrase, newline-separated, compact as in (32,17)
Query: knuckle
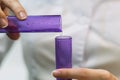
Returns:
(83,75)
(106,75)
(7,2)
(14,5)
(84,71)
(2,15)
(66,73)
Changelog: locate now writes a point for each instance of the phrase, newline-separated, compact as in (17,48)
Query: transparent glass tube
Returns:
(45,23)
(63,47)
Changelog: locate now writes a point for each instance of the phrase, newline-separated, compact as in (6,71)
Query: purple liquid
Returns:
(46,23)
(63,47)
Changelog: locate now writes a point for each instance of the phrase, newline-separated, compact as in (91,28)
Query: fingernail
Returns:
(22,15)
(3,23)
(56,73)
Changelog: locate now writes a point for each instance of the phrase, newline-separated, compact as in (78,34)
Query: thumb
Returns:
(3,19)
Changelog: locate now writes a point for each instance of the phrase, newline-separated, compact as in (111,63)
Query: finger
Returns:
(17,8)
(84,74)
(6,11)
(3,20)
(12,31)
(13,36)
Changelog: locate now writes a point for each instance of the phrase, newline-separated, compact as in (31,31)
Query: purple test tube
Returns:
(43,23)
(63,47)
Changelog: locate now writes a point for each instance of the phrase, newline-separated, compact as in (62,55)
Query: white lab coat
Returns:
(94,26)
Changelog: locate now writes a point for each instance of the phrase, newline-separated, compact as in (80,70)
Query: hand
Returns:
(16,8)
(84,74)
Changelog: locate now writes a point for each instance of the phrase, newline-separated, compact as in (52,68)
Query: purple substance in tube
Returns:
(46,23)
(63,47)
(12,28)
